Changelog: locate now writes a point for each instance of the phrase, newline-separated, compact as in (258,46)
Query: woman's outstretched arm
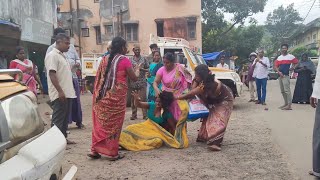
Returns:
(191,94)
(137,101)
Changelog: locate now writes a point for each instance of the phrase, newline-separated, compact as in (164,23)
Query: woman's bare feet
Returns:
(286,108)
(214,148)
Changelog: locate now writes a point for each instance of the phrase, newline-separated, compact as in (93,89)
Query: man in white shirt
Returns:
(222,64)
(314,101)
(260,73)
(60,86)
(74,61)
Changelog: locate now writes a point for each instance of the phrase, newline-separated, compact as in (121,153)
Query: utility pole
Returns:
(120,21)
(112,11)
(79,28)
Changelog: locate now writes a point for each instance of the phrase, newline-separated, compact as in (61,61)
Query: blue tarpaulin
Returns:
(211,56)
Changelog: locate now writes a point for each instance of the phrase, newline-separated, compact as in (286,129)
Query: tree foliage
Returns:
(281,24)
(219,34)
(213,13)
(297,52)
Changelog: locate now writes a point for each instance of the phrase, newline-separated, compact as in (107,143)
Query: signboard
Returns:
(36,31)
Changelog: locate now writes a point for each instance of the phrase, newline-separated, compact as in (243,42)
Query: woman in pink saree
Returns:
(176,79)
(28,69)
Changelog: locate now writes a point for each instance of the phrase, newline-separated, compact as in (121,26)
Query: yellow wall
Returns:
(305,36)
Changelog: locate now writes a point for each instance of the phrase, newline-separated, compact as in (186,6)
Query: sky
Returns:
(302,6)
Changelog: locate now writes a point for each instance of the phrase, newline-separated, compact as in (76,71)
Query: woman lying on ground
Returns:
(219,100)
(158,129)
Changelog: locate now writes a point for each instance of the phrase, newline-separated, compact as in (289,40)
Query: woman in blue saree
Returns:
(154,67)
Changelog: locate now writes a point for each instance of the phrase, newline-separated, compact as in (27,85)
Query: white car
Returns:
(26,150)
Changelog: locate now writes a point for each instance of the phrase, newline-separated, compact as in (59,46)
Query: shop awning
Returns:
(3,22)
(9,29)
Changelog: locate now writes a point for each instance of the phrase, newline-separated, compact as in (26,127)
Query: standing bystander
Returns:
(61,91)
(74,62)
(153,48)
(260,73)
(3,61)
(282,67)
(222,64)
(141,85)
(250,79)
(314,101)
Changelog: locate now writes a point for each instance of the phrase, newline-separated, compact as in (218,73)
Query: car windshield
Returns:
(201,59)
(195,58)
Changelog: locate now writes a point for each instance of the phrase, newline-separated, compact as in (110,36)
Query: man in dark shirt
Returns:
(153,48)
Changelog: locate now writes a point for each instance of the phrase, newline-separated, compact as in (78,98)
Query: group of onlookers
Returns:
(304,92)
(284,64)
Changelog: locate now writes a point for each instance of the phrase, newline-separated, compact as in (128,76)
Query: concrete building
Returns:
(308,36)
(29,24)
(92,23)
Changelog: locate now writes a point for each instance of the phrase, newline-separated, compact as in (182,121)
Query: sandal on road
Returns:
(94,156)
(70,142)
(281,107)
(120,156)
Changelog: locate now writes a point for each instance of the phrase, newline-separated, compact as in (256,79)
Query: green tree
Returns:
(245,41)
(241,41)
(281,24)
(213,13)
(297,52)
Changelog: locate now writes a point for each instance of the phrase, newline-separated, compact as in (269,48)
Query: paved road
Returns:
(291,130)
(258,144)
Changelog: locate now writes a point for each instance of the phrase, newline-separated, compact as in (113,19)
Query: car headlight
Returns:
(236,77)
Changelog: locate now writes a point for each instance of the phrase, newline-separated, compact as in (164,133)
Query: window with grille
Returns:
(108,31)
(192,29)
(98,34)
(132,32)
(85,32)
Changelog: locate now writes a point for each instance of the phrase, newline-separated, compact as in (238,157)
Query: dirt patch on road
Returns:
(247,153)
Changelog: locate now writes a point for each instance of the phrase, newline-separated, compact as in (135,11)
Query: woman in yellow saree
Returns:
(149,134)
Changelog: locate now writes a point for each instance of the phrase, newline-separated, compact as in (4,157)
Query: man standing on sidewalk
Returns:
(141,85)
(61,91)
(260,73)
(282,66)
(314,101)
(250,79)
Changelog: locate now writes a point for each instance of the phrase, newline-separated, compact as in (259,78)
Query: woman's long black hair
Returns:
(166,99)
(116,48)
(207,78)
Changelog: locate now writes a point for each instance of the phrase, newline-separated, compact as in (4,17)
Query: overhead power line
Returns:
(309,11)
